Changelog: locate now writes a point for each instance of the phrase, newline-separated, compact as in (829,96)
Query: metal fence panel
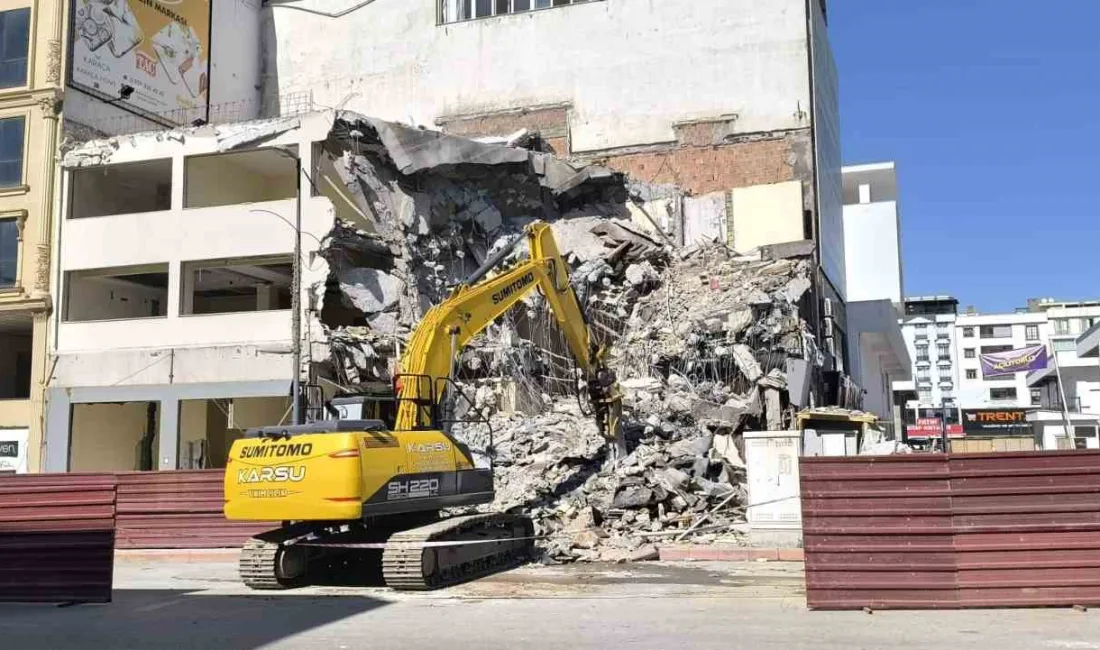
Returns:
(177,509)
(57,537)
(968,530)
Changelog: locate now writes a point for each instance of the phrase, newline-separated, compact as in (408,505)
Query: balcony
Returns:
(944,362)
(943,334)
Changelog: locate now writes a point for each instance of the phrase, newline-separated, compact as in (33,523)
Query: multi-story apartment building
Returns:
(174,268)
(872,253)
(31,57)
(928,326)
(734,101)
(978,334)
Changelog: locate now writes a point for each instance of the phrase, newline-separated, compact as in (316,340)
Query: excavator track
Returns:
(258,565)
(409,564)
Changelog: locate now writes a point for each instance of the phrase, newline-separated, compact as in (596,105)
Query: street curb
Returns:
(692,552)
(178,555)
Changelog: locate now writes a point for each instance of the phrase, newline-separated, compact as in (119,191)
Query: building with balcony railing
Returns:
(174,268)
(928,327)
(1067,393)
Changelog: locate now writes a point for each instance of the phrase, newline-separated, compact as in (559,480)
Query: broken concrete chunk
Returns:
(775,378)
(726,448)
(634,496)
(645,553)
(795,288)
(370,290)
(641,274)
(746,362)
(691,448)
(587,539)
(738,320)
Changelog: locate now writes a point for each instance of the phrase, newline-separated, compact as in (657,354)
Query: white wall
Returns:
(872,252)
(630,68)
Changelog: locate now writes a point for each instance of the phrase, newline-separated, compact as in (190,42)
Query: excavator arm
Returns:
(474,305)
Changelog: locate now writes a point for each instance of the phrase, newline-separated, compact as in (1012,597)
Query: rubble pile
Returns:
(701,336)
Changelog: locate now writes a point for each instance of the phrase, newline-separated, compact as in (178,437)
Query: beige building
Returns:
(31,56)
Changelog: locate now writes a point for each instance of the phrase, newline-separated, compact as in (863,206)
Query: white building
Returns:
(173,263)
(872,253)
(1069,389)
(872,233)
(735,101)
(978,334)
(928,327)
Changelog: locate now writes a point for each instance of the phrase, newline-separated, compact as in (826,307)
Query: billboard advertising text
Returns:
(160,48)
(1013,361)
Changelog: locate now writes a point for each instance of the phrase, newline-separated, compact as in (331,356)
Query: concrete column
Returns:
(58,425)
(265,297)
(187,295)
(169,433)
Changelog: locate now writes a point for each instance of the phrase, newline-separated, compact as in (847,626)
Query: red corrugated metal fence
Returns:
(968,530)
(57,537)
(177,509)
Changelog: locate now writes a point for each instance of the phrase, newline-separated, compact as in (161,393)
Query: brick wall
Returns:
(552,122)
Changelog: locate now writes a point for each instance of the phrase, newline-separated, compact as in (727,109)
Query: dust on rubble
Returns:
(701,335)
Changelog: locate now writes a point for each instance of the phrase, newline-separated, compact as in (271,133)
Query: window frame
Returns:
(28,55)
(20,219)
(971,374)
(20,186)
(968,332)
(494,9)
(1028,329)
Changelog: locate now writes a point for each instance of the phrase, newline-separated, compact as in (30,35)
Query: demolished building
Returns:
(708,342)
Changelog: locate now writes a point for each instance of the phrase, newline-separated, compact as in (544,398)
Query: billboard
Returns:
(994,421)
(1013,361)
(160,48)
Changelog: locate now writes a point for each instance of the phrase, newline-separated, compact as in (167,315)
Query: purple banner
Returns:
(1013,361)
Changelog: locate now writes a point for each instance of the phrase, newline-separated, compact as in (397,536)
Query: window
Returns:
(1081,436)
(968,332)
(923,356)
(9,252)
(11,151)
(993,349)
(1036,396)
(258,175)
(995,331)
(229,286)
(971,374)
(1065,345)
(1002,394)
(129,188)
(1061,325)
(116,294)
(14,33)
(924,396)
(969,353)
(942,350)
(1031,332)
(457,10)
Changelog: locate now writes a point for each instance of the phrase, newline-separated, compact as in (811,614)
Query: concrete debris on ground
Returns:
(701,336)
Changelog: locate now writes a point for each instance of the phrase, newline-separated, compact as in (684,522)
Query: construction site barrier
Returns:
(926,531)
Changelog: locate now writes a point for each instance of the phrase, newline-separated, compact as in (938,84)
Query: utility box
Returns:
(775,508)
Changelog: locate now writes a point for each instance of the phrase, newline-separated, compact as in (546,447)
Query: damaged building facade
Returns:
(728,111)
(175,261)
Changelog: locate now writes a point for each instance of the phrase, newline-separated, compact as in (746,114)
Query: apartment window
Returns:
(1061,325)
(942,350)
(9,252)
(258,175)
(922,355)
(11,151)
(971,374)
(1065,345)
(1081,436)
(1036,396)
(924,396)
(994,349)
(995,331)
(116,294)
(230,286)
(969,353)
(968,332)
(458,10)
(997,394)
(128,188)
(14,33)
(1031,332)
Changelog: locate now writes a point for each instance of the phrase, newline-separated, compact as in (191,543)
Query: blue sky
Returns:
(990,111)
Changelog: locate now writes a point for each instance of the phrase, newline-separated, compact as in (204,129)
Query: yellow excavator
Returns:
(352,485)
